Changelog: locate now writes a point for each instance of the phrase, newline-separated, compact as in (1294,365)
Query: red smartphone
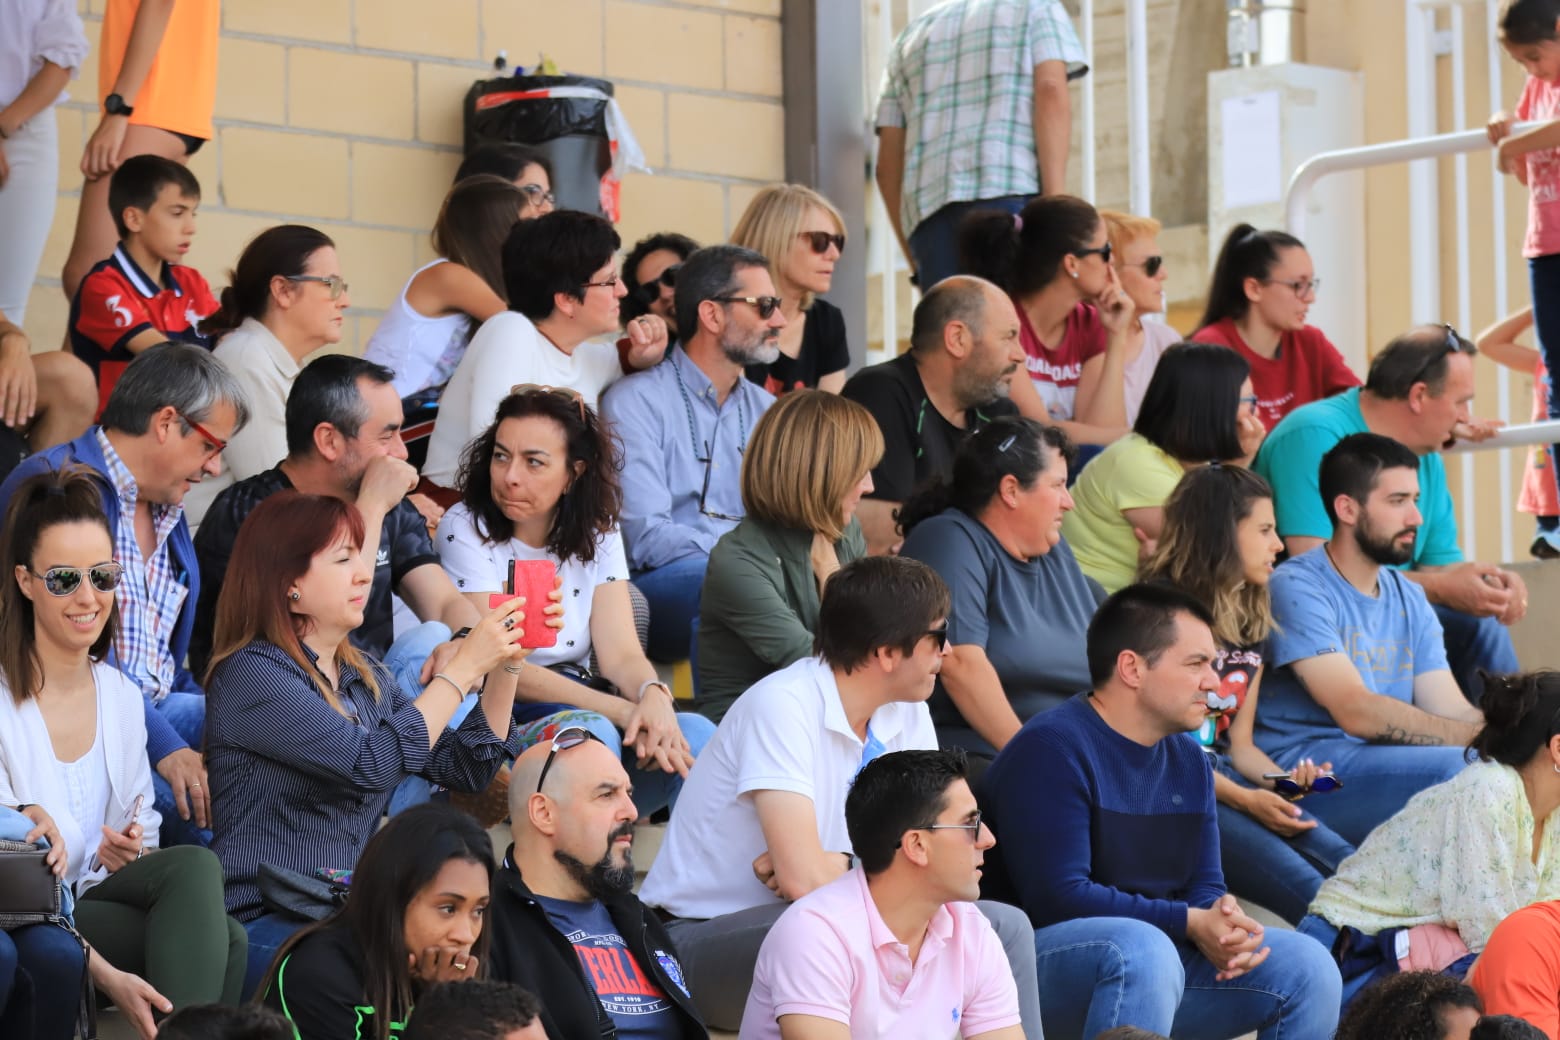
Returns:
(533,579)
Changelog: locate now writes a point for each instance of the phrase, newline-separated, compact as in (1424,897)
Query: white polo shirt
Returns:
(788,732)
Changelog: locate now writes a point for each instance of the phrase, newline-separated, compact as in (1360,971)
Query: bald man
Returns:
(565,921)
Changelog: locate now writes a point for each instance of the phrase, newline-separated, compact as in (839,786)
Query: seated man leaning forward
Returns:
(1359,674)
(565,921)
(1109,838)
(1417,392)
(761,819)
(894,948)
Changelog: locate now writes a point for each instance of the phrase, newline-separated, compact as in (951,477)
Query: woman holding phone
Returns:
(306,737)
(73,758)
(540,484)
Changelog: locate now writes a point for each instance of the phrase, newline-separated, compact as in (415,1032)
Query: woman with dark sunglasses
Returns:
(802,234)
(650,271)
(73,758)
(1262,288)
(1140,267)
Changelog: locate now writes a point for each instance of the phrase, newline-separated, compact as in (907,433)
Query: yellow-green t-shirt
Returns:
(1132,473)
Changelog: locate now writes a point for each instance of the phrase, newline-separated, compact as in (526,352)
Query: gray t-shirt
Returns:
(1032,618)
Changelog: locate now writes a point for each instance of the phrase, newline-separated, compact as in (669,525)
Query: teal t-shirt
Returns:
(1291,458)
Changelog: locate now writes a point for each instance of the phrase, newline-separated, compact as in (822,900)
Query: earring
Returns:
(1557,767)
(294,596)
(1074,273)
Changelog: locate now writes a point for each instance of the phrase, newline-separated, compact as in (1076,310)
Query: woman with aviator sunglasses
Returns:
(1262,288)
(802,234)
(73,757)
(1140,267)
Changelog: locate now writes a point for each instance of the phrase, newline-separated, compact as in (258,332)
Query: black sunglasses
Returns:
(1103,252)
(649,292)
(821,240)
(1452,344)
(1150,266)
(940,633)
(766,304)
(1284,784)
(64,581)
(566,738)
(709,460)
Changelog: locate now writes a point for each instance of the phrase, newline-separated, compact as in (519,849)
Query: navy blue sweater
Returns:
(1091,824)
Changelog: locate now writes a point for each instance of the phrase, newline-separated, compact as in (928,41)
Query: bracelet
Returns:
(460,633)
(515,669)
(655,682)
(458,691)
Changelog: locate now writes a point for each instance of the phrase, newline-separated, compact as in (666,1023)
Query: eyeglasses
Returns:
(940,633)
(610,283)
(569,394)
(820,241)
(568,737)
(214,445)
(1286,786)
(1150,266)
(538,196)
(1248,399)
(1301,287)
(1452,344)
(973,827)
(709,462)
(1103,252)
(64,581)
(334,282)
(649,292)
(766,304)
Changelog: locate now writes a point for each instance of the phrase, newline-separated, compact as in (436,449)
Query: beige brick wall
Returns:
(346,114)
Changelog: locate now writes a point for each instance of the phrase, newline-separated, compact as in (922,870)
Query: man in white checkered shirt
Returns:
(974,113)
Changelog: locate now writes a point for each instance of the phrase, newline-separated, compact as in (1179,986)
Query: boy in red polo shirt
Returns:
(142,295)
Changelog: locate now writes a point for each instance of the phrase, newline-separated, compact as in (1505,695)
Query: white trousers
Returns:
(27,201)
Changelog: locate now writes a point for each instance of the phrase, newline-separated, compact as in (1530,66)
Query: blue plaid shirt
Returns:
(152,594)
(960,81)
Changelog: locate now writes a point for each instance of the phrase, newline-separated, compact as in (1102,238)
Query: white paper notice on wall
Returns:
(1253,150)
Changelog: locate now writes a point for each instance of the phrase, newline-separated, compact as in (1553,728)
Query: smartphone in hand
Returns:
(122,825)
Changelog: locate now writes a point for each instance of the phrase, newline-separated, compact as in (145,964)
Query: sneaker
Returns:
(1546,545)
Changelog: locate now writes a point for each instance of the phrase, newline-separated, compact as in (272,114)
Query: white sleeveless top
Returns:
(421,351)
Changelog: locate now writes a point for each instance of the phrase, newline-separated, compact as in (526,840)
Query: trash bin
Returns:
(572,120)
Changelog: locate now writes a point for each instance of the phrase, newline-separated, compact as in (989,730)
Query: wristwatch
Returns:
(115,105)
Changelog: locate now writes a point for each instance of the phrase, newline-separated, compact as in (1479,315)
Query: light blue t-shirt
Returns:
(633,1000)
(1291,459)
(1391,638)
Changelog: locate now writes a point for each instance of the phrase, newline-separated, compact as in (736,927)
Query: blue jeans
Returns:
(405,660)
(40,982)
(186,713)
(1097,973)
(653,788)
(934,243)
(1544,281)
(266,936)
(673,594)
(1378,778)
(1279,873)
(1473,643)
(1324,933)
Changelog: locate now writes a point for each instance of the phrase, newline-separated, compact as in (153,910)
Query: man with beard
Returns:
(684,425)
(1357,673)
(1418,393)
(964,348)
(565,922)
(761,819)
(344,440)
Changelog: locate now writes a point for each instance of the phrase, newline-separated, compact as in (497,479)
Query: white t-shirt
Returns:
(508,350)
(476,565)
(1157,338)
(788,732)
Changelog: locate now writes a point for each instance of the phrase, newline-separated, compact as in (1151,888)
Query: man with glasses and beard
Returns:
(964,349)
(1357,672)
(565,922)
(684,425)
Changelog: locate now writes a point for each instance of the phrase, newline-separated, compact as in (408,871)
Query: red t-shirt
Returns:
(1306,368)
(118,301)
(1057,370)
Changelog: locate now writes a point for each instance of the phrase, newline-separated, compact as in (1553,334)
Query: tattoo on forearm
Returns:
(1399,735)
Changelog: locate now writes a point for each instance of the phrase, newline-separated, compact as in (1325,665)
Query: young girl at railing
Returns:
(1539,494)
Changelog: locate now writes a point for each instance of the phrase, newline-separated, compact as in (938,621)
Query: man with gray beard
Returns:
(684,425)
(565,922)
(964,349)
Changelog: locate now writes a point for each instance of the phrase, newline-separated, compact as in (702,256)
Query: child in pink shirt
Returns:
(1539,498)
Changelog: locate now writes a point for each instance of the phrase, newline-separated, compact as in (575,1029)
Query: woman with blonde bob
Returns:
(806,468)
(802,234)
(1140,267)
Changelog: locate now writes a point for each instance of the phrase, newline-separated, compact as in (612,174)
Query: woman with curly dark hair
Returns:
(1414,1005)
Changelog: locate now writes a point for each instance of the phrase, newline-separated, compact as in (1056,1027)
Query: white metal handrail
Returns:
(1523,436)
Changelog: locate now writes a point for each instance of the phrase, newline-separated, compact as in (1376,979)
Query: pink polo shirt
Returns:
(1540,101)
(831,956)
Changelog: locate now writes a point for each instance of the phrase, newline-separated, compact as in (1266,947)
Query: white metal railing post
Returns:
(1138,158)
(1086,23)
(1498,252)
(1470,517)
(1423,197)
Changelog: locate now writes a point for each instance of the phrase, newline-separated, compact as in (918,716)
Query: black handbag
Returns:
(288,892)
(30,894)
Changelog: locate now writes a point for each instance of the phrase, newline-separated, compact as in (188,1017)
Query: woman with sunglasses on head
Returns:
(1140,267)
(802,234)
(413,918)
(650,271)
(808,464)
(1198,409)
(1218,543)
(541,483)
(73,757)
(306,736)
(1460,856)
(1021,605)
(1054,260)
(1263,285)
(285,302)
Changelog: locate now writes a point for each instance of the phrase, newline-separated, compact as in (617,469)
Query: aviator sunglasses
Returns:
(64,581)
